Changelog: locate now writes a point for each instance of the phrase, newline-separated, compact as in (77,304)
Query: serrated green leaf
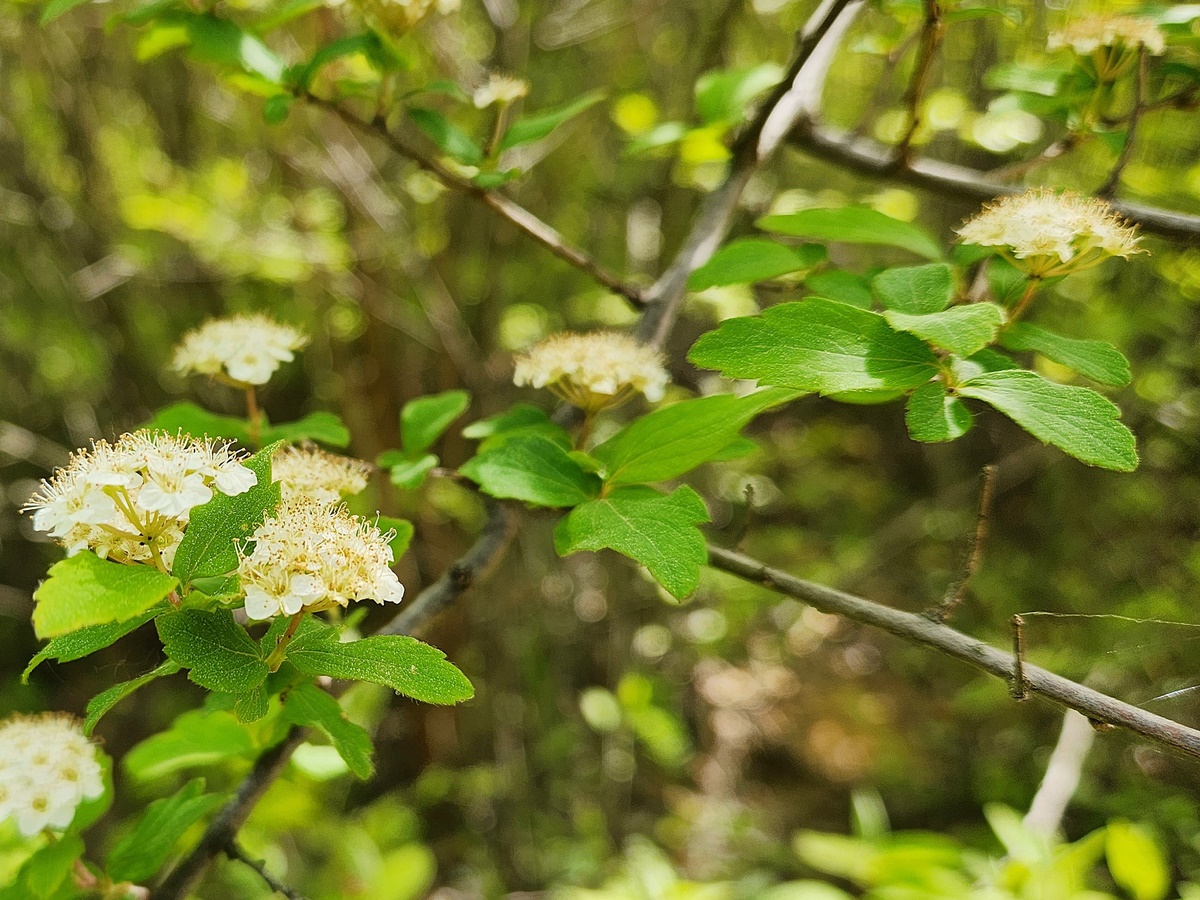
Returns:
(47,869)
(310,706)
(933,415)
(539,125)
(251,705)
(843,286)
(1077,420)
(657,530)
(85,590)
(216,650)
(99,705)
(675,439)
(425,419)
(322,427)
(533,469)
(402,663)
(916,290)
(208,546)
(141,853)
(196,738)
(85,641)
(853,225)
(1136,861)
(817,345)
(403,537)
(750,260)
(963,329)
(1096,360)
(446,136)
(523,420)
(199,423)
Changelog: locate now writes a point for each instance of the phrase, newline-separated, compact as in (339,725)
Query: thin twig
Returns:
(1100,708)
(780,110)
(508,210)
(1053,151)
(235,851)
(872,158)
(1139,100)
(1017,686)
(931,38)
(958,589)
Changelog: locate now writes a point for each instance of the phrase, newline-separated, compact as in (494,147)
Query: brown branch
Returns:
(1100,708)
(782,108)
(931,38)
(957,590)
(474,566)
(874,159)
(510,211)
(1139,100)
(236,851)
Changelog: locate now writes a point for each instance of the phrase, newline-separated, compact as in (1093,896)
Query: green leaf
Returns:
(725,96)
(533,469)
(917,290)
(751,260)
(539,125)
(425,419)
(251,705)
(276,108)
(853,225)
(658,530)
(960,329)
(933,415)
(85,641)
(842,286)
(217,587)
(220,42)
(47,869)
(199,423)
(675,439)
(403,537)
(404,472)
(523,420)
(85,590)
(56,8)
(196,738)
(446,136)
(99,705)
(310,706)
(367,44)
(141,853)
(1136,861)
(402,663)
(1096,360)
(208,545)
(218,652)
(322,427)
(1077,420)
(817,345)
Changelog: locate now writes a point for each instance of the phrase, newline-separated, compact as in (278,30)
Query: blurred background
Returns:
(612,731)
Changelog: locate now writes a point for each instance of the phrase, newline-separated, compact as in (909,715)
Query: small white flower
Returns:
(593,371)
(47,768)
(500,88)
(246,350)
(311,556)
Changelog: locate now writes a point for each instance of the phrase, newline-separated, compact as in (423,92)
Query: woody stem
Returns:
(275,660)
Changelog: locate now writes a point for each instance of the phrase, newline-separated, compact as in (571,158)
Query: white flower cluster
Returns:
(500,88)
(395,17)
(130,501)
(1046,234)
(593,371)
(1086,36)
(321,476)
(243,349)
(47,768)
(315,556)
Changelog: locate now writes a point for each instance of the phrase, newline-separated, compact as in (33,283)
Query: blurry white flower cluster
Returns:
(1046,234)
(500,88)
(594,371)
(245,350)
(314,556)
(1114,33)
(130,501)
(324,477)
(47,768)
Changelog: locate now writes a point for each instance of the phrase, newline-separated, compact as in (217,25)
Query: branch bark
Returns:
(776,116)
(871,158)
(1099,708)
